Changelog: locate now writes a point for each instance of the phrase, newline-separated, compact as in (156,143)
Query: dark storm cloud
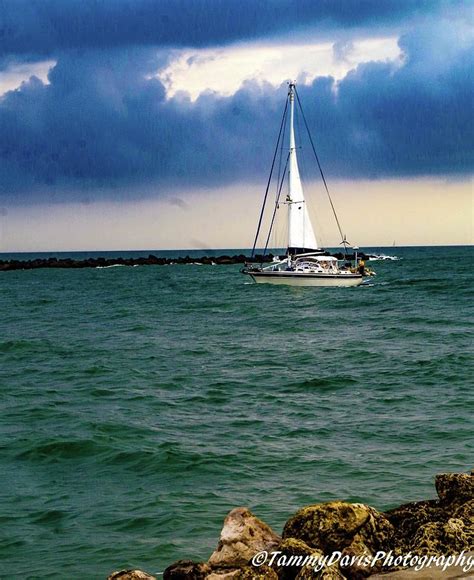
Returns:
(409,120)
(34,28)
(103,123)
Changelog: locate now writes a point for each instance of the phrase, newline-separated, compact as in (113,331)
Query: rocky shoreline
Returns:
(151,260)
(432,528)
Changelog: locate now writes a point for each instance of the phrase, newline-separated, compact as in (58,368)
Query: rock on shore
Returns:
(437,527)
(242,536)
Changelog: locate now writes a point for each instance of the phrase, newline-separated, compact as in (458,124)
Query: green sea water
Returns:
(140,404)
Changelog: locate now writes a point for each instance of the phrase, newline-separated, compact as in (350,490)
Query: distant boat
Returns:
(381,257)
(305,263)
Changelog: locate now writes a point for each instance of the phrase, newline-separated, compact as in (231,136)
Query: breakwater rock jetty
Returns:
(338,540)
(151,260)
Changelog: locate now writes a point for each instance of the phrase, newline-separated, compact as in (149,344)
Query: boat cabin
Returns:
(321,264)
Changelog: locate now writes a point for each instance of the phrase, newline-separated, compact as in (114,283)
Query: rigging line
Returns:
(281,151)
(269,180)
(282,142)
(276,204)
(321,170)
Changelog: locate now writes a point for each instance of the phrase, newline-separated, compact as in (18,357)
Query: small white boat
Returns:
(305,263)
(381,258)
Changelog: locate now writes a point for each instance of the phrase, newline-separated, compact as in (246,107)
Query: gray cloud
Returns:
(101,125)
(35,28)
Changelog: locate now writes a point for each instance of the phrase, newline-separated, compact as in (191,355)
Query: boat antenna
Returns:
(344,241)
(269,180)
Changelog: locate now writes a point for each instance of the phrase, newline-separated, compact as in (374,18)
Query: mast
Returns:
(292,159)
(301,235)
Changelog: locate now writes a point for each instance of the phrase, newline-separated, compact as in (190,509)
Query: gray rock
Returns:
(465,512)
(327,573)
(409,517)
(354,529)
(438,538)
(455,487)
(130,575)
(336,525)
(186,570)
(242,536)
(244,573)
(295,551)
(224,574)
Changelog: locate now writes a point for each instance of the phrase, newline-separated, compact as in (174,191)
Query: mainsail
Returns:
(301,236)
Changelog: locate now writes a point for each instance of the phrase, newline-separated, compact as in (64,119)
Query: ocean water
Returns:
(139,405)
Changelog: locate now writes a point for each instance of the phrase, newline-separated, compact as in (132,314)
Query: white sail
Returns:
(300,229)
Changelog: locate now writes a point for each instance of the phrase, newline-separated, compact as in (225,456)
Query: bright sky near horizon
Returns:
(373,213)
(155,128)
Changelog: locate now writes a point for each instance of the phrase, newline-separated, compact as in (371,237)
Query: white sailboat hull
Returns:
(306,279)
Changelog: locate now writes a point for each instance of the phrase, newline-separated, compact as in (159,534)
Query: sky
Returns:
(146,125)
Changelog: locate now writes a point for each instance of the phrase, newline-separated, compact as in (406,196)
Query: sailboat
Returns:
(305,263)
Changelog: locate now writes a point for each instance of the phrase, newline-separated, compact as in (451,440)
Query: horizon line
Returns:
(221,249)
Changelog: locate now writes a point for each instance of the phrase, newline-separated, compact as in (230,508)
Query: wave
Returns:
(54,451)
(15,345)
(324,383)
